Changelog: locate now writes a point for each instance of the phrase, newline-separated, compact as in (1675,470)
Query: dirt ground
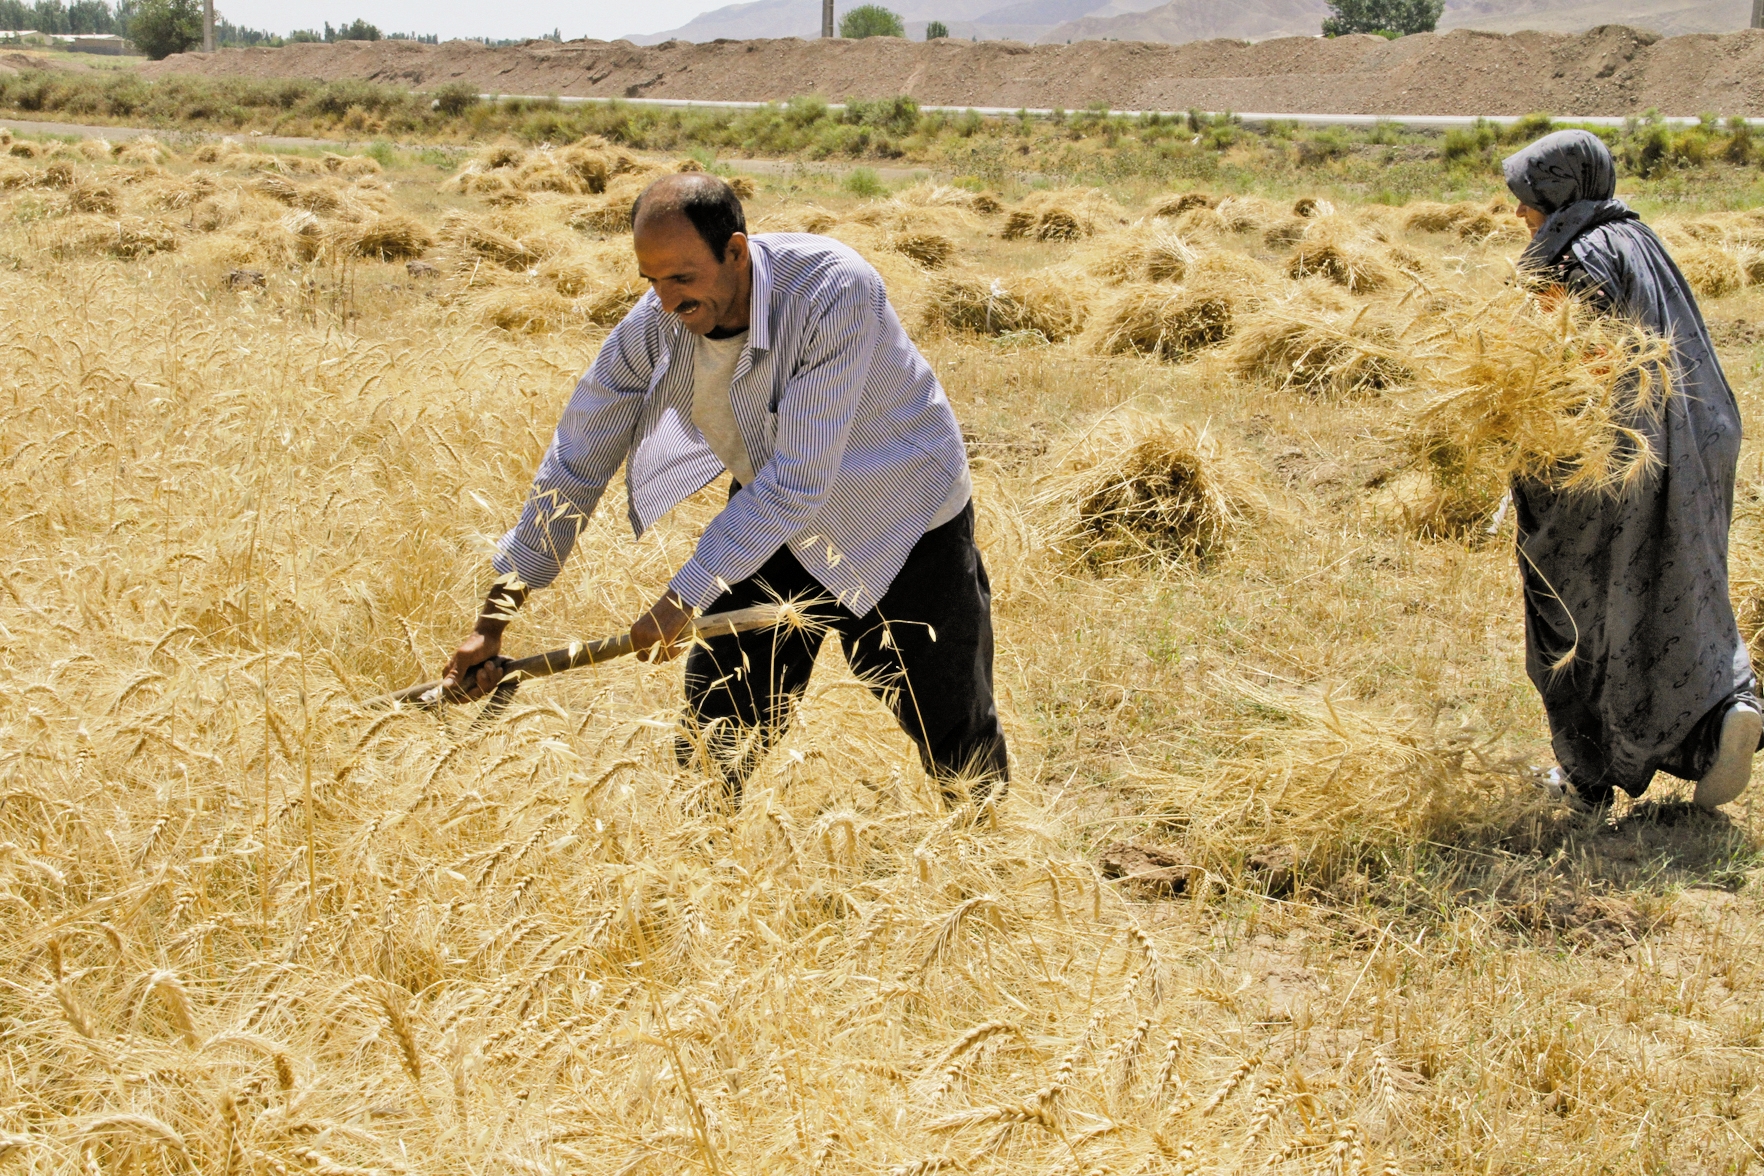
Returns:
(1612,70)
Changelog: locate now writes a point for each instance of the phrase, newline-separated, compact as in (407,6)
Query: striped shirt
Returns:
(856,447)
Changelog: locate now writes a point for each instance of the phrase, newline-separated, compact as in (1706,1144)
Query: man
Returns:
(779,359)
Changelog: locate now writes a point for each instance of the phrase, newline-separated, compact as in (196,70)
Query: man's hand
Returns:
(475,667)
(653,635)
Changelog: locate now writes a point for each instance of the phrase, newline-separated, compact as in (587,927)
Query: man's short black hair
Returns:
(710,204)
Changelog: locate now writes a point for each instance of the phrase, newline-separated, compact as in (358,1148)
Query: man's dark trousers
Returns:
(925,650)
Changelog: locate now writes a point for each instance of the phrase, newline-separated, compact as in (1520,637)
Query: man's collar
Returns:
(759,320)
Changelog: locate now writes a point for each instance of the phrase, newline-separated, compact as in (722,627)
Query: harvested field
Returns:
(1272,890)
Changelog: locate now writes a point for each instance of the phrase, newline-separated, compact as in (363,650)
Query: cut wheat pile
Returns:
(259,416)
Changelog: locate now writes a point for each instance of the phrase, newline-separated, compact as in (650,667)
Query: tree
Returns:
(160,28)
(1399,17)
(361,30)
(871,20)
(935,30)
(90,16)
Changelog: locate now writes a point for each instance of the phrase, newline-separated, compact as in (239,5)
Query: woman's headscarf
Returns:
(1571,177)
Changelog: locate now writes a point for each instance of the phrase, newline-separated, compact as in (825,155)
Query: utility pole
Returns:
(827,16)
(1758,14)
(208,25)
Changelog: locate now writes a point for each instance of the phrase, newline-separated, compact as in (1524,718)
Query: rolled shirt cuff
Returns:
(697,586)
(535,569)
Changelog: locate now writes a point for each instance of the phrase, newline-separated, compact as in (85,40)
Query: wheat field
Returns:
(1272,890)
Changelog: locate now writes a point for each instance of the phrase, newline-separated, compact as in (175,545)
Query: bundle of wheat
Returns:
(1318,353)
(520,308)
(127,237)
(503,154)
(1712,271)
(95,150)
(1516,389)
(1285,233)
(473,241)
(16,175)
(349,165)
(94,197)
(1178,204)
(542,175)
(385,237)
(931,250)
(1065,215)
(1136,488)
(1248,214)
(611,212)
(797,218)
(1172,324)
(304,232)
(1148,253)
(1040,302)
(215,152)
(23,149)
(175,193)
(1469,220)
(144,149)
(268,242)
(1247,279)
(1332,248)
(928,194)
(588,164)
(272,163)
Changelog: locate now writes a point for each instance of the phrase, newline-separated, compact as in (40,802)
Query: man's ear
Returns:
(735,252)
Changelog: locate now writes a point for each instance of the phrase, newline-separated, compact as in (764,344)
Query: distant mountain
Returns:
(1199,20)
(1056,21)
(986,20)
(802,18)
(1260,20)
(1669,18)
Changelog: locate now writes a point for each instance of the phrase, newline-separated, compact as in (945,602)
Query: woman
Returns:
(1632,589)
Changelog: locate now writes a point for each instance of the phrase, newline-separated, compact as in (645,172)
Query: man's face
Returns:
(686,275)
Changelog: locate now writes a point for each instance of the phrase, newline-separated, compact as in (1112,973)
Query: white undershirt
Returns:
(713,373)
(713,370)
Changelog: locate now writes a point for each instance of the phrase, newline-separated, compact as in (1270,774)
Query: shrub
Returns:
(871,20)
(455,98)
(1529,127)
(861,181)
(899,115)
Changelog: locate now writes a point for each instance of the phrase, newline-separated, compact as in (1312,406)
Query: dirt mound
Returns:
(1611,70)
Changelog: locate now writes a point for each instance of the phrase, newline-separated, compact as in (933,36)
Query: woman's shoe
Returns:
(1733,763)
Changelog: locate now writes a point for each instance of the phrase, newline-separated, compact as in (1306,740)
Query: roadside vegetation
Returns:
(1714,161)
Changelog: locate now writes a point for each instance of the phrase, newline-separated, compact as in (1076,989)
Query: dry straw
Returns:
(1136,489)
(1155,320)
(1064,215)
(1524,389)
(1055,306)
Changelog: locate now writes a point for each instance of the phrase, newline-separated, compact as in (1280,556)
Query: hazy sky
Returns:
(457,18)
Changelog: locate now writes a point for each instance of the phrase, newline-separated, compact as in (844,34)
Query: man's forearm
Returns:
(501,603)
